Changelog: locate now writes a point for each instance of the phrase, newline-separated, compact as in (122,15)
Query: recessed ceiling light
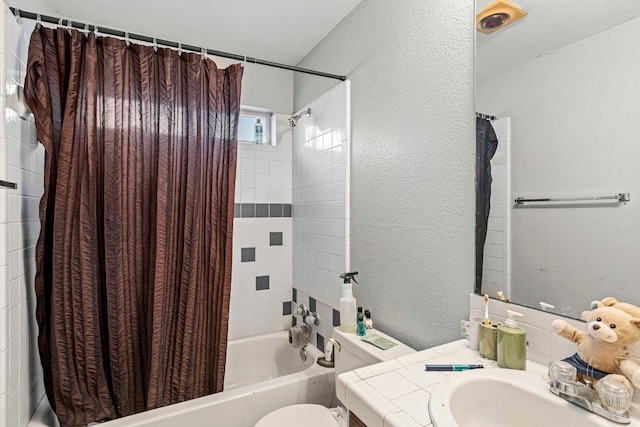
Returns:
(498,15)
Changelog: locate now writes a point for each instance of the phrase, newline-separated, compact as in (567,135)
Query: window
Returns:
(252,118)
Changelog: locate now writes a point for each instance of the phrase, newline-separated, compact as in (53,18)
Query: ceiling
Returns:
(549,26)
(274,30)
(286,30)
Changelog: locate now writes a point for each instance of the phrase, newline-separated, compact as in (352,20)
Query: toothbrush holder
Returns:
(488,340)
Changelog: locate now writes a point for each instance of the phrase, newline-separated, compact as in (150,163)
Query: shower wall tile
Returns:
(320,199)
(21,161)
(263,193)
(305,190)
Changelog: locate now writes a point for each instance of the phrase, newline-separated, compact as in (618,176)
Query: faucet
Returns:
(582,395)
(308,317)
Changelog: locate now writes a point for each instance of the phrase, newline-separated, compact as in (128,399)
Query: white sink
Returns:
(505,397)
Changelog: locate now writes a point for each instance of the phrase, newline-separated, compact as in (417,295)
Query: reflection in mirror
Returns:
(564,83)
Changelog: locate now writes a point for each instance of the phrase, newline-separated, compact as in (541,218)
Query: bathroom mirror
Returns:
(564,85)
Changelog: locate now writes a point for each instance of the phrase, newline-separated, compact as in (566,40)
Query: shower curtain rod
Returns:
(485,116)
(170,44)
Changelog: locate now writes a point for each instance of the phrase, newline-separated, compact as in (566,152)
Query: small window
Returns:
(256,126)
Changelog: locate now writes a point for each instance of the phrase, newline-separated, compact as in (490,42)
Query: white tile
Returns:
(378,369)
(392,385)
(368,403)
(417,374)
(539,344)
(400,419)
(416,405)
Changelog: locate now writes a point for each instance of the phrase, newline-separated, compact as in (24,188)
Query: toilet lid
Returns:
(307,415)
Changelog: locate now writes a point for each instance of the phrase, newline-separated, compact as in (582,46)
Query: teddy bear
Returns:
(630,309)
(604,349)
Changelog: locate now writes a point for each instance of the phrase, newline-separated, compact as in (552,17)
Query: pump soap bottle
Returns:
(512,344)
(348,314)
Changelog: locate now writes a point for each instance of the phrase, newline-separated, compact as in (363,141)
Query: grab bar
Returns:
(620,198)
(9,185)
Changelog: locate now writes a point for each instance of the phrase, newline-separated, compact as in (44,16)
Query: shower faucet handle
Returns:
(301,311)
(312,318)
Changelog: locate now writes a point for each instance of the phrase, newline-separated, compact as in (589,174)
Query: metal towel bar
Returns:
(9,185)
(620,198)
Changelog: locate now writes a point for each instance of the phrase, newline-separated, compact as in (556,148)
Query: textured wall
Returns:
(412,160)
(573,120)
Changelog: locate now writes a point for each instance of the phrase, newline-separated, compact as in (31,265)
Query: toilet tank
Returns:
(355,353)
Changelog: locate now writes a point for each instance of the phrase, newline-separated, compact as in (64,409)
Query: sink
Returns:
(505,397)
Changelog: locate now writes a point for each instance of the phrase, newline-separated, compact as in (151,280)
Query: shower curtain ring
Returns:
(18,17)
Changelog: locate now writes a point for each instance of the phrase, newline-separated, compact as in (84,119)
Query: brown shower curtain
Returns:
(134,254)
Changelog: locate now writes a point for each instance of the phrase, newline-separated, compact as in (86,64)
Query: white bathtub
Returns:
(263,373)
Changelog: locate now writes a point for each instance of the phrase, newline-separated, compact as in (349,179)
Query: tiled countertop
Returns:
(396,393)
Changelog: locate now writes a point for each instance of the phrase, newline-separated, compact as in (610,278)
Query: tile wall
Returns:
(320,203)
(262,237)
(22,162)
(496,272)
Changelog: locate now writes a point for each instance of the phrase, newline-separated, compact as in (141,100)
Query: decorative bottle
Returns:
(259,137)
(362,329)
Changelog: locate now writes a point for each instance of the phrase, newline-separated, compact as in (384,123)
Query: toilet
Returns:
(352,354)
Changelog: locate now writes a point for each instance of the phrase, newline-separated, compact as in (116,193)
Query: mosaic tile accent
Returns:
(336,317)
(320,342)
(312,304)
(248,210)
(286,308)
(275,210)
(247,255)
(262,283)
(262,210)
(275,238)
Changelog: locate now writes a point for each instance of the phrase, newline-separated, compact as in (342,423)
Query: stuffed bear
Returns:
(603,349)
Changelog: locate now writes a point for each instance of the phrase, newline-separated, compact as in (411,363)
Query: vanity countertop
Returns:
(396,393)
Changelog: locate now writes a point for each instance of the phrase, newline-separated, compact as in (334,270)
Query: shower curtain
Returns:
(486,145)
(134,254)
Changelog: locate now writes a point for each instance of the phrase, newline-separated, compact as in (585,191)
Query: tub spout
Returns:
(299,336)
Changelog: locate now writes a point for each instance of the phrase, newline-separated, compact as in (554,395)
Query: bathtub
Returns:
(263,373)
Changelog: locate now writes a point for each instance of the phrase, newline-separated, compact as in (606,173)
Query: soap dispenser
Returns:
(512,344)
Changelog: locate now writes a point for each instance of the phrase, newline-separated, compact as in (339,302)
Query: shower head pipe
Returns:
(293,120)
